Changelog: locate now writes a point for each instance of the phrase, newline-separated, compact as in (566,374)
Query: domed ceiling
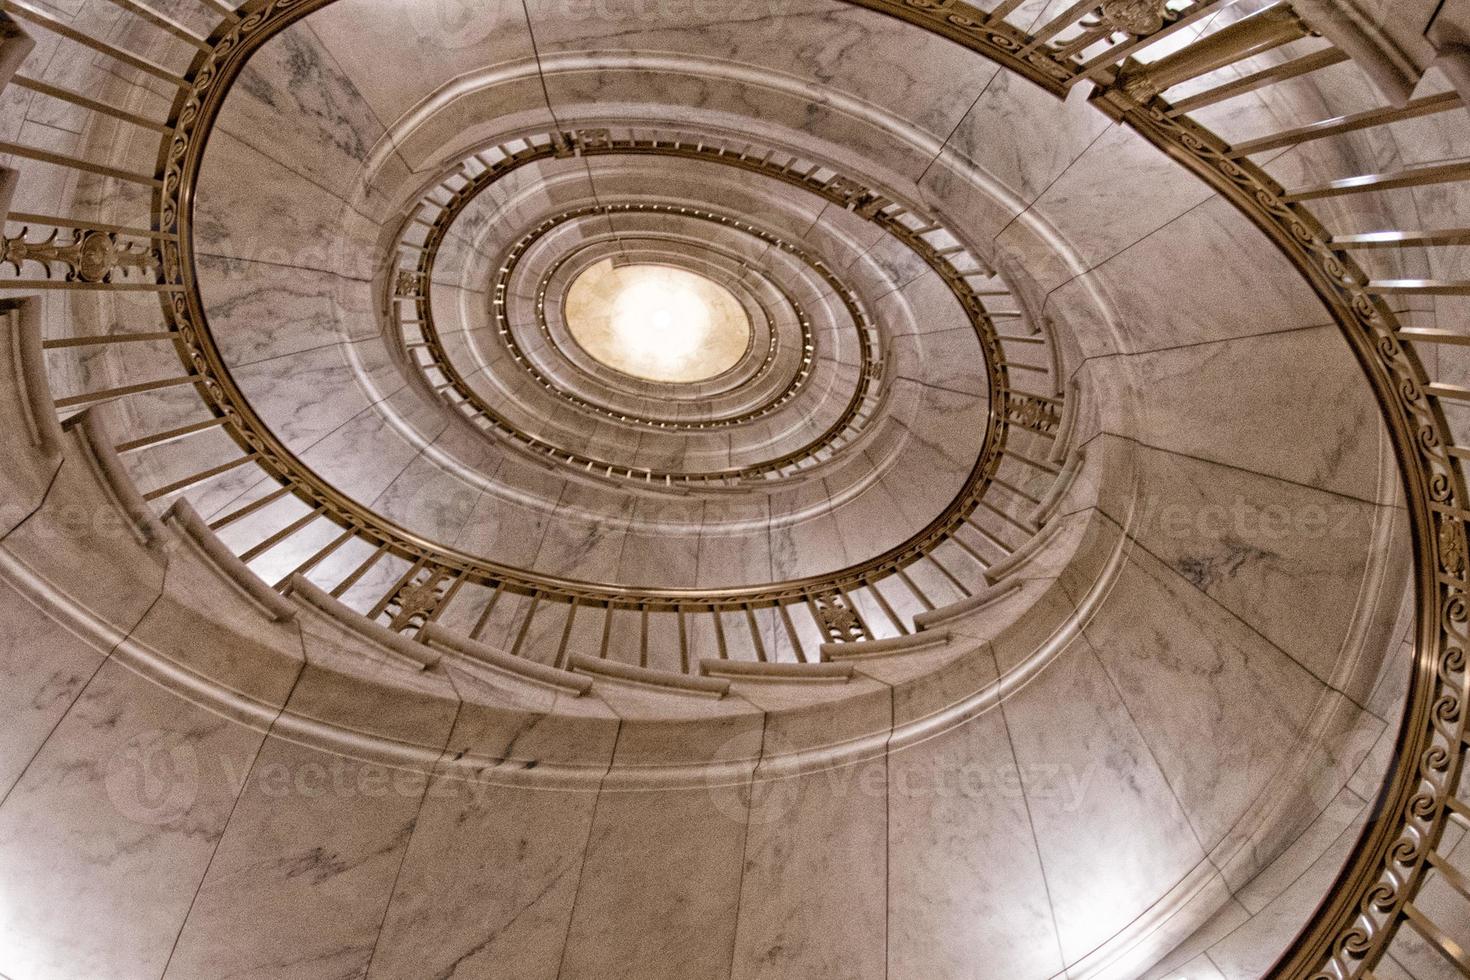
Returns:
(655,323)
(635,344)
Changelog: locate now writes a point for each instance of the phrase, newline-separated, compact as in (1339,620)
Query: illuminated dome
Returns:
(656,323)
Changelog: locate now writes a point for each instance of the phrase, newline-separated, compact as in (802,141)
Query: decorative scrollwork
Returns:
(1342,947)
(1137,17)
(839,621)
(414,603)
(1033,413)
(181,156)
(1361,919)
(408,284)
(79,255)
(1451,546)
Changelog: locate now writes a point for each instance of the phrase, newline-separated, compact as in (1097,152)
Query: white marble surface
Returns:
(1294,562)
(1116,839)
(1186,683)
(932,83)
(968,888)
(1238,286)
(1252,947)
(1115,193)
(130,795)
(999,135)
(258,311)
(787,924)
(477,894)
(87,547)
(303,396)
(357,684)
(207,624)
(297,102)
(1218,707)
(656,902)
(252,207)
(435,42)
(302,876)
(45,666)
(1213,400)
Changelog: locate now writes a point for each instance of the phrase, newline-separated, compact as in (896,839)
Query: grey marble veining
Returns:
(785,926)
(968,885)
(932,83)
(252,207)
(1111,834)
(1001,134)
(1219,707)
(294,103)
(1213,400)
(259,312)
(1292,561)
(130,793)
(1238,287)
(656,902)
(304,396)
(45,668)
(302,876)
(436,41)
(518,888)
(1099,204)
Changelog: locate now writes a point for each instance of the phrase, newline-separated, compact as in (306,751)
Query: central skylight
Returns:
(657,322)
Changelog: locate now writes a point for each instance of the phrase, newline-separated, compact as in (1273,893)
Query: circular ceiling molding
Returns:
(657,322)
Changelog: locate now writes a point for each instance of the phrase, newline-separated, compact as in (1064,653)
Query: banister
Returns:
(182,515)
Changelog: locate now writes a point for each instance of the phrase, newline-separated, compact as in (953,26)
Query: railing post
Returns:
(1450,34)
(1264,30)
(9,180)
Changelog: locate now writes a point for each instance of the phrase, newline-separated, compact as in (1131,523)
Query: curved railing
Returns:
(940,250)
(1103,45)
(422,582)
(865,403)
(1374,895)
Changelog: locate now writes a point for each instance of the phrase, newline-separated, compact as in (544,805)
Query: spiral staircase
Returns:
(1052,566)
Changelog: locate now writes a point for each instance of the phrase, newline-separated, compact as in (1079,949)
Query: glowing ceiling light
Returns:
(659,319)
(657,322)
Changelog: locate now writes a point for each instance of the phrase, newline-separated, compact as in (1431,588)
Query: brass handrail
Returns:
(407,285)
(869,367)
